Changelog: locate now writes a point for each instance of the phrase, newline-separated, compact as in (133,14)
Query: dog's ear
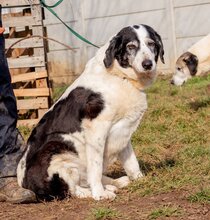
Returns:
(110,52)
(160,46)
(158,43)
(191,61)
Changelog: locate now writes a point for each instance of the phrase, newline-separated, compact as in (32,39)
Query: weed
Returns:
(104,213)
(165,211)
(203,196)
(58,91)
(25,131)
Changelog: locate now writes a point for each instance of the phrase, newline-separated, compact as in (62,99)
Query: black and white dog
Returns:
(91,125)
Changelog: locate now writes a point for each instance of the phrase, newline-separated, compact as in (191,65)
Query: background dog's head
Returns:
(186,67)
(136,50)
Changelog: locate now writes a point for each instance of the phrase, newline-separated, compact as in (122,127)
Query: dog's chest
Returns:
(128,119)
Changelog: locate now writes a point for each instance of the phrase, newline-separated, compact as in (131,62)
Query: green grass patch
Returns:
(58,91)
(165,211)
(103,213)
(172,142)
(25,131)
(202,196)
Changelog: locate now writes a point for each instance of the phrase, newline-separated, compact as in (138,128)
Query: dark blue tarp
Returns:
(10,139)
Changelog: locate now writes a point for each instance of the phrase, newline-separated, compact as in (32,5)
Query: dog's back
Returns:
(201,49)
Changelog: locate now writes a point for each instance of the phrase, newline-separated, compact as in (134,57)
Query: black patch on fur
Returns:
(117,47)
(46,141)
(36,172)
(159,51)
(66,117)
(191,61)
(136,26)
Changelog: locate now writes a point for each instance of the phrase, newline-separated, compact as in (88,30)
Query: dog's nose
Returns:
(147,64)
(172,82)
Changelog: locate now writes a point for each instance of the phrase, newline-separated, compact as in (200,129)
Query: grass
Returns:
(103,213)
(202,196)
(25,131)
(173,141)
(58,91)
(165,211)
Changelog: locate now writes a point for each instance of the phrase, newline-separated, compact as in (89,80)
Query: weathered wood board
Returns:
(26,58)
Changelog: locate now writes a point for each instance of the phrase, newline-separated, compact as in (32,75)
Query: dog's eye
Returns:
(178,68)
(131,46)
(151,44)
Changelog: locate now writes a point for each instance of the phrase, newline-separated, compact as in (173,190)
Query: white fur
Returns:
(144,52)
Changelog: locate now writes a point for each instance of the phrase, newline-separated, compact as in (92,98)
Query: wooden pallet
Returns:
(26,59)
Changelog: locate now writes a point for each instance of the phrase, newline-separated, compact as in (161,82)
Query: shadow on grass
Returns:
(145,167)
(196,105)
(148,167)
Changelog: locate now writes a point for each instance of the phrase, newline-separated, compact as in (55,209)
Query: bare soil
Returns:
(128,205)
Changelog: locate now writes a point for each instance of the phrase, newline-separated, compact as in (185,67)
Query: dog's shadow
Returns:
(196,105)
(149,167)
(144,166)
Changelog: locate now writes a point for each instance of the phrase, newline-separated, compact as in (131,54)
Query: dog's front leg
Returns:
(130,162)
(96,136)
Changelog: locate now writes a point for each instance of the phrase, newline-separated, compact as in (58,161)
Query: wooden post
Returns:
(81,23)
(38,30)
(172,33)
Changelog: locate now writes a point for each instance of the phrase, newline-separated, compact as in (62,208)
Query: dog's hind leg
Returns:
(119,182)
(67,167)
(81,192)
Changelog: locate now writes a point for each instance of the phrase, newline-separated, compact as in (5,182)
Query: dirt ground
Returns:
(129,205)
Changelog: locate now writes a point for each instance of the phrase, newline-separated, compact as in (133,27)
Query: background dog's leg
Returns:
(130,163)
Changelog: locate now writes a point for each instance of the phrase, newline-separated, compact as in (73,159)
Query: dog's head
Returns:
(135,50)
(186,67)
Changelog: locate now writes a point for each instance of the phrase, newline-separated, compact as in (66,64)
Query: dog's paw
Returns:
(139,175)
(81,192)
(136,176)
(122,182)
(111,188)
(106,194)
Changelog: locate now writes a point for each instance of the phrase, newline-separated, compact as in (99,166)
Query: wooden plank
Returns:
(26,43)
(22,62)
(36,103)
(9,21)
(13,3)
(27,122)
(32,92)
(42,112)
(38,30)
(28,76)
